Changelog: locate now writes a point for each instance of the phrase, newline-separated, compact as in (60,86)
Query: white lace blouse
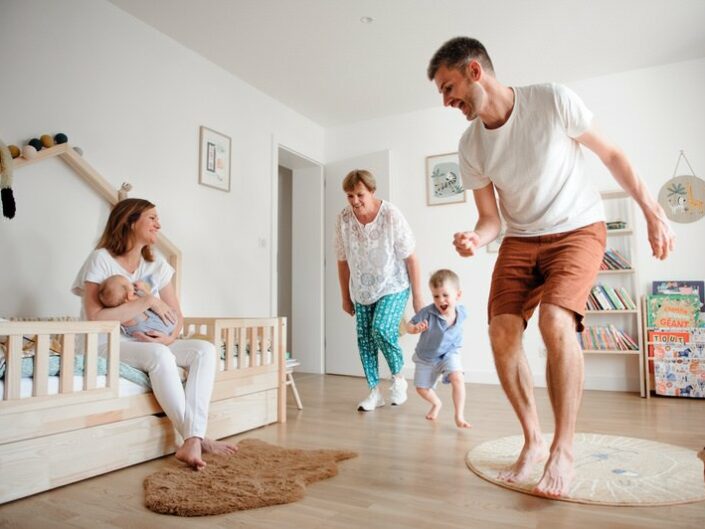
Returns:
(375,252)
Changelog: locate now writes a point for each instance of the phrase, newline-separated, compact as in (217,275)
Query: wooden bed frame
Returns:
(51,440)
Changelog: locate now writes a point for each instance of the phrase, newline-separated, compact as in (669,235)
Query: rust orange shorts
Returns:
(559,269)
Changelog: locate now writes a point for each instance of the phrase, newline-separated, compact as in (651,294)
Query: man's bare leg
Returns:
(506,331)
(564,375)
(429,395)
(458,384)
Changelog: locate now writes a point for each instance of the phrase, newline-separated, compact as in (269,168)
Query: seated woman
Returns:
(125,249)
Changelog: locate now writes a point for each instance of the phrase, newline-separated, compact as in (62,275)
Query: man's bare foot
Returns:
(557,475)
(432,414)
(460,422)
(531,454)
(212,446)
(190,453)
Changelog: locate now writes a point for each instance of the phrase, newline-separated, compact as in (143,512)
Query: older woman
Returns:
(376,267)
(125,249)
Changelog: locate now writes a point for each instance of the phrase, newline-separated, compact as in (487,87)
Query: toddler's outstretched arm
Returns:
(416,328)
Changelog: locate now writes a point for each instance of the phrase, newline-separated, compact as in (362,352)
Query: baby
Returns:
(117,290)
(437,352)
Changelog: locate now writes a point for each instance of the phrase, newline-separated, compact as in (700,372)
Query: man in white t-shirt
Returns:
(525,152)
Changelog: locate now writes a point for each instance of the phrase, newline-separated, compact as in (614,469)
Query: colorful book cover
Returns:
(680,287)
(673,311)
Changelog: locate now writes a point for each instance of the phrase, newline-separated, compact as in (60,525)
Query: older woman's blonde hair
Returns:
(359,175)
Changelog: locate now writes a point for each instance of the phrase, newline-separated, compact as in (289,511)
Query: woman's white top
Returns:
(375,252)
(100,265)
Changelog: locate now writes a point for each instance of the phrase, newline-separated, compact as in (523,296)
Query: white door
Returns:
(342,357)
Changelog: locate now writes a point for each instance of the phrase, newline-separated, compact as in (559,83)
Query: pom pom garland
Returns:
(60,138)
(29,152)
(46,140)
(14,151)
(34,142)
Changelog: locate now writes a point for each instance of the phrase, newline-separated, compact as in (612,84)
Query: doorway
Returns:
(298,260)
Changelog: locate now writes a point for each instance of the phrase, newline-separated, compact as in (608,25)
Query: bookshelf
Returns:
(613,316)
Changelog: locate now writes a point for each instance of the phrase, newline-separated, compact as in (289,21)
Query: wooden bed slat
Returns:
(229,348)
(13,367)
(68,354)
(41,366)
(90,362)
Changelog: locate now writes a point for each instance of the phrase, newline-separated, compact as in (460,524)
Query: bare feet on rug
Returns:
(190,453)
(432,414)
(557,475)
(460,422)
(531,454)
(212,446)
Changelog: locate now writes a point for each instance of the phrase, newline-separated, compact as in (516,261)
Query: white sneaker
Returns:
(373,400)
(397,393)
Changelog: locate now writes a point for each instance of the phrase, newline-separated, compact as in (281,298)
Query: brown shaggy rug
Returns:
(259,474)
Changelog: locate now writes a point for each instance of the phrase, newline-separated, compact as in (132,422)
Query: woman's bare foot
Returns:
(531,454)
(432,414)
(190,453)
(460,422)
(212,446)
(557,475)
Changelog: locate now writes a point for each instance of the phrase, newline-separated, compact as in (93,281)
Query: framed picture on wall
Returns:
(214,159)
(443,183)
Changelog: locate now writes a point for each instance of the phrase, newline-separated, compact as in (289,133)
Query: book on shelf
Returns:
(616,225)
(614,260)
(680,287)
(605,297)
(609,337)
(673,311)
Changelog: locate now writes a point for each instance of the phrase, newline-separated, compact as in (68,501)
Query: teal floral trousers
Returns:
(378,330)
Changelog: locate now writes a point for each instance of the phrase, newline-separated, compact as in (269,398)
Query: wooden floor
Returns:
(410,472)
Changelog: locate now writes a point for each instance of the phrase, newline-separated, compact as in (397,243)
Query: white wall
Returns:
(134,99)
(651,113)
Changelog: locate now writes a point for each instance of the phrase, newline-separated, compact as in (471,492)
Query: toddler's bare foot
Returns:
(460,422)
(557,475)
(432,414)
(190,453)
(531,454)
(701,455)
(218,447)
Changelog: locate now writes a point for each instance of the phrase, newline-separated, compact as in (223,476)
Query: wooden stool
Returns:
(290,365)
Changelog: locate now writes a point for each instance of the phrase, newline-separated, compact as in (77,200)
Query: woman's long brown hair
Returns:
(117,236)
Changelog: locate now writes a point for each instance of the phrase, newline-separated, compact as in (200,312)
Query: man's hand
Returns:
(661,236)
(466,243)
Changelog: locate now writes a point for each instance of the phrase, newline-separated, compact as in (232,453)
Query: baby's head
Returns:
(115,291)
(445,288)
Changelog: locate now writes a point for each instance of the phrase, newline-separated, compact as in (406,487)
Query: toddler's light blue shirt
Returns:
(440,338)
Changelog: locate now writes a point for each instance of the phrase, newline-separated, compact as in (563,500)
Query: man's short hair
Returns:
(457,53)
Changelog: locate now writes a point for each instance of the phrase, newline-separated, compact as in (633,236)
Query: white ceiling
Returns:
(316,57)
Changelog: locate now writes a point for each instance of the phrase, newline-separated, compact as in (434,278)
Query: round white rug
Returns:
(609,470)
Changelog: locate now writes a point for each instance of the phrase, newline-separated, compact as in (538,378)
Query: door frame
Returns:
(312,356)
